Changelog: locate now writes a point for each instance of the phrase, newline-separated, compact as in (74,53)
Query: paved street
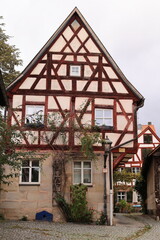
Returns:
(127,228)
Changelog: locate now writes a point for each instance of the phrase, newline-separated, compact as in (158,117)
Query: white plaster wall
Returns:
(110,72)
(38,68)
(119,87)
(121,122)
(80,103)
(41,84)
(106,87)
(91,46)
(27,83)
(93,87)
(68,33)
(82,34)
(80,85)
(127,105)
(64,102)
(17,101)
(102,101)
(58,45)
(31,98)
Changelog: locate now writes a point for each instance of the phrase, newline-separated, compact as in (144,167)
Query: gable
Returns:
(75,43)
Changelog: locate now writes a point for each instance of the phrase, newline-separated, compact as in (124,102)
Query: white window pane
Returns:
(99,113)
(25,174)
(107,122)
(107,113)
(75,70)
(87,164)
(35,175)
(77,164)
(77,176)
(87,176)
(99,121)
(29,110)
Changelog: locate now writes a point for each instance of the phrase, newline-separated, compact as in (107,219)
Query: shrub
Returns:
(79,209)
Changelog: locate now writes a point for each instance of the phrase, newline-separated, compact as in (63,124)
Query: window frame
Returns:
(27,115)
(82,172)
(73,73)
(119,194)
(30,167)
(103,117)
(135,170)
(147,138)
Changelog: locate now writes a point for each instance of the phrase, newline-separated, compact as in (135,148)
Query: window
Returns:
(120,169)
(104,117)
(34,114)
(82,172)
(121,196)
(139,199)
(2,111)
(147,138)
(75,71)
(30,172)
(135,169)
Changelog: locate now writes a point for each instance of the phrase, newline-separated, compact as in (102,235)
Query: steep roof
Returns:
(55,35)
(152,130)
(3,96)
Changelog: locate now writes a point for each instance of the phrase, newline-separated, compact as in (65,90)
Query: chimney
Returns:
(149,123)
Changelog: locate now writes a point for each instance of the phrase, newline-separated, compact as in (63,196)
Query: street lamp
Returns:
(107,146)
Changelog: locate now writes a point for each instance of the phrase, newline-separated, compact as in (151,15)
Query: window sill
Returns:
(33,125)
(29,184)
(85,184)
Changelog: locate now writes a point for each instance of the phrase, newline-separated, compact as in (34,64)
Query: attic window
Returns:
(75,24)
(75,71)
(147,138)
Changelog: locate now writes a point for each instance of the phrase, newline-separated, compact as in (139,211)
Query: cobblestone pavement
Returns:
(35,230)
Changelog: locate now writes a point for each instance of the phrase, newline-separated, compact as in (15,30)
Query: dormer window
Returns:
(75,70)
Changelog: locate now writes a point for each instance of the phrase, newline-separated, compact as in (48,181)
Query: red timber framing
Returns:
(47,81)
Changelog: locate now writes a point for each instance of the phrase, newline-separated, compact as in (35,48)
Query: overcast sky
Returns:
(129,29)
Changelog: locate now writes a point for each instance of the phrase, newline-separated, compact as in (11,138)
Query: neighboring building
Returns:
(74,78)
(151,174)
(147,141)
(3,96)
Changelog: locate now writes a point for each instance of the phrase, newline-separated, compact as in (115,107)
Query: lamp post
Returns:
(107,146)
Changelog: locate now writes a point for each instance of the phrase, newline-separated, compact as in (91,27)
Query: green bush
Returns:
(77,211)
(102,220)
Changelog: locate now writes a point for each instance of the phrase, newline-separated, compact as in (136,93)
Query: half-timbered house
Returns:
(147,141)
(74,82)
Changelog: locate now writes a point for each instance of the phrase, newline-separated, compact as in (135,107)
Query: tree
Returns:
(12,152)
(9,57)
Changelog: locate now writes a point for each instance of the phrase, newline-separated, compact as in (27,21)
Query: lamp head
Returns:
(107,144)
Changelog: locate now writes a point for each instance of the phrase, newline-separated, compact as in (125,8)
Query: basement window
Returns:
(75,71)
